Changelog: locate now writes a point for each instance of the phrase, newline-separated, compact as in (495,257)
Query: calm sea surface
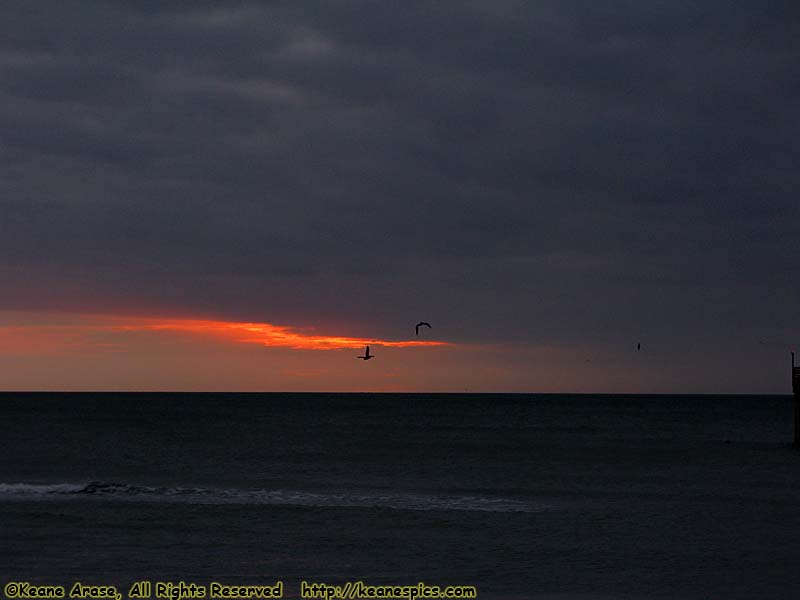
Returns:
(522,496)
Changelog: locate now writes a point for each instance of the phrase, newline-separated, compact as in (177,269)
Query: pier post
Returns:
(796,392)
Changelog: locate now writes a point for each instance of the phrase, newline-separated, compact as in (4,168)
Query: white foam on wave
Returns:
(396,501)
(15,489)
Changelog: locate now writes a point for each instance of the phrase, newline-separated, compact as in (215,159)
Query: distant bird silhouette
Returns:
(639,346)
(367,355)
(420,324)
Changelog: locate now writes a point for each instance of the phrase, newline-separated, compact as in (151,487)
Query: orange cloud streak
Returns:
(267,334)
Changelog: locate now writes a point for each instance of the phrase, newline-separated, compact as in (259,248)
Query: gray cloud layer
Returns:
(547,172)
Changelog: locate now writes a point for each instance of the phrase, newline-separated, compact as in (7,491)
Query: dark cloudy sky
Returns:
(547,182)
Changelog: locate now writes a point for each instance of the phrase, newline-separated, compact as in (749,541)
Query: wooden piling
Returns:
(796,391)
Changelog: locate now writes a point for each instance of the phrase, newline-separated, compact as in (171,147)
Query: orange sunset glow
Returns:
(87,332)
(73,351)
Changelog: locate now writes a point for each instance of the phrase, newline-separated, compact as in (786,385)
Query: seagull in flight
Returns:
(367,355)
(420,324)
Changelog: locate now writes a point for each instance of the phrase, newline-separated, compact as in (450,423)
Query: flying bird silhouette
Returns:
(639,346)
(420,324)
(367,355)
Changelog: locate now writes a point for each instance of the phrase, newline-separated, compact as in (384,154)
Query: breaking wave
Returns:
(134,493)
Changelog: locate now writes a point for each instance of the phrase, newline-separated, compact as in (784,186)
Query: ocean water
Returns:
(521,496)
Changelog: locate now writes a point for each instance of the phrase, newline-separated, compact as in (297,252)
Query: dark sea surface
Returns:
(522,496)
